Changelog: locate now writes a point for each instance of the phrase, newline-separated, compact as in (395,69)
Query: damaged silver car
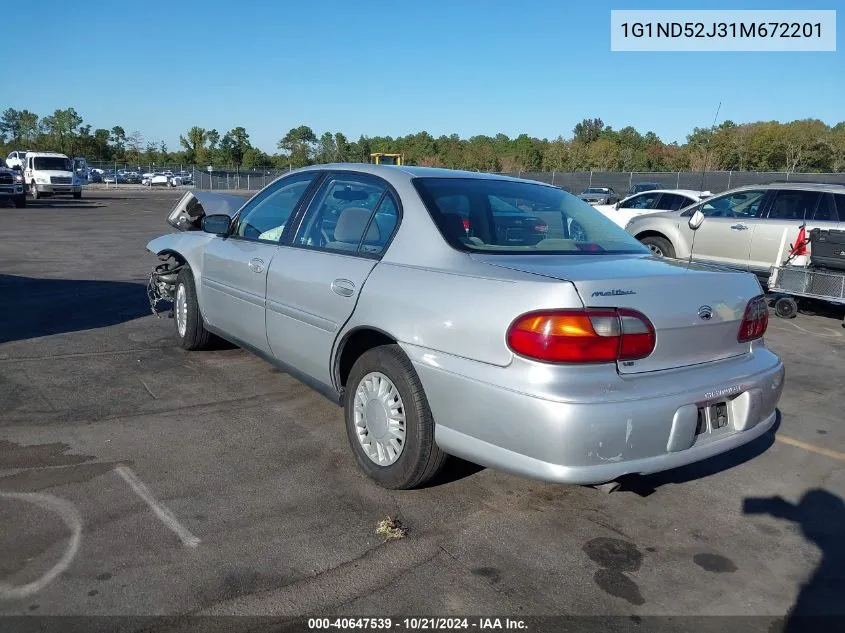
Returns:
(424,302)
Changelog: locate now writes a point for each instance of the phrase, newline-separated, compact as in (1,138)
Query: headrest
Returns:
(351,223)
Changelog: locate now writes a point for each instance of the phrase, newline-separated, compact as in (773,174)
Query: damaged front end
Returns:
(183,249)
(161,287)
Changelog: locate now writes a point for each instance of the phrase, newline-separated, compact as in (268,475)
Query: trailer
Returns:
(815,274)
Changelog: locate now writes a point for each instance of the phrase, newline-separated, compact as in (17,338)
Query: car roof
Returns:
(409,171)
(693,193)
(48,154)
(786,184)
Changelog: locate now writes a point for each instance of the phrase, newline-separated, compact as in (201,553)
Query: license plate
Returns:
(712,417)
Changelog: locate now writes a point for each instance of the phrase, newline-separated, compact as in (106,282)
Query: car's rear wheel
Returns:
(388,420)
(660,246)
(190,327)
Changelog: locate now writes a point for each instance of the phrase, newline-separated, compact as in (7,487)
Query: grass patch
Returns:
(391,529)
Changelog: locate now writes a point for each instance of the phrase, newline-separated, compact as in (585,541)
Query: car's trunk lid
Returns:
(676,298)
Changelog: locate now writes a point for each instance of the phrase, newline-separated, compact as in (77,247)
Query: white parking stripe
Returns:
(68,513)
(161,512)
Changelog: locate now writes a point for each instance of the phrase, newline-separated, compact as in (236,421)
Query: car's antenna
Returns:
(707,149)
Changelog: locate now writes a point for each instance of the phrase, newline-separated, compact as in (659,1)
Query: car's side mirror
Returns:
(696,220)
(217,224)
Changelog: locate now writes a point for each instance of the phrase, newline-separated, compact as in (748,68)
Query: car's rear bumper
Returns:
(601,439)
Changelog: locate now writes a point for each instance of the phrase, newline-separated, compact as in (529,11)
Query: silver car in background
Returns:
(744,227)
(394,291)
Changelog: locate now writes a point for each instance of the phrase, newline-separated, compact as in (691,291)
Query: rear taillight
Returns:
(466,224)
(754,321)
(541,227)
(603,335)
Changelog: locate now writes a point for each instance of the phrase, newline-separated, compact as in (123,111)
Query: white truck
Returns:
(51,173)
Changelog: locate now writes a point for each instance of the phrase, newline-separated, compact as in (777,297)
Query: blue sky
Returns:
(393,67)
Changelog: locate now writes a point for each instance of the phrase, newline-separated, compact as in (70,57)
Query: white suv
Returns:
(50,173)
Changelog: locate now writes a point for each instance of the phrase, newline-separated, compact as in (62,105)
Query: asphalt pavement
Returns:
(140,479)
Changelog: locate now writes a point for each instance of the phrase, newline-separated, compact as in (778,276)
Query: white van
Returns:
(50,173)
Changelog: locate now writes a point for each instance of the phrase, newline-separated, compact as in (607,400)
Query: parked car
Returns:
(745,226)
(599,195)
(639,187)
(651,201)
(132,178)
(114,178)
(12,187)
(187,177)
(16,159)
(158,179)
(435,341)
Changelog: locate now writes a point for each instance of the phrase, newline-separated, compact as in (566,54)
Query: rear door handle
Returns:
(256,265)
(343,287)
(739,227)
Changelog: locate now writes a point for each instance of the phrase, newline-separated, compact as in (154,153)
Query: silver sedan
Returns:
(499,320)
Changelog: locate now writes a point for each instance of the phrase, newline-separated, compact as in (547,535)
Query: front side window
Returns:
(340,218)
(742,204)
(265,217)
(501,216)
(793,205)
(643,201)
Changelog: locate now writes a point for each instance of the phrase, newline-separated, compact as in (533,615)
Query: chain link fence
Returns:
(575,182)
(714,181)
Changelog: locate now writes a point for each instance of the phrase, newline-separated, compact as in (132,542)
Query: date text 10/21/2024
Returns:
(419,623)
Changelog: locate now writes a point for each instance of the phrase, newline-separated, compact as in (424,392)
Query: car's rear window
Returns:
(502,216)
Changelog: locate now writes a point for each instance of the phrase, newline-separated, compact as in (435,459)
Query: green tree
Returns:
(194,144)
(62,126)
(588,130)
(234,145)
(298,144)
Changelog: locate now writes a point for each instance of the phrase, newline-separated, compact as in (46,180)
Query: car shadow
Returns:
(52,203)
(42,307)
(820,515)
(645,485)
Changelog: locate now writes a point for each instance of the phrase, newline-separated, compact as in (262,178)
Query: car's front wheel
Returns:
(388,420)
(660,246)
(190,327)
(33,189)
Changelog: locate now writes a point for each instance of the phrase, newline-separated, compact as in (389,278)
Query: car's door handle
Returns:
(739,227)
(256,265)
(343,287)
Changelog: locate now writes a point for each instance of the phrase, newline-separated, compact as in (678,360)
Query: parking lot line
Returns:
(811,447)
(160,511)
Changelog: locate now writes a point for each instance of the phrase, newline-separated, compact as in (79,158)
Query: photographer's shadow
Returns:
(821,515)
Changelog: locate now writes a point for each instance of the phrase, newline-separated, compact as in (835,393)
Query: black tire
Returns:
(786,308)
(659,246)
(196,337)
(77,195)
(421,459)
(33,190)
(20,202)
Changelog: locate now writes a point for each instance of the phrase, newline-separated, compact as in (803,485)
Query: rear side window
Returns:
(672,202)
(826,211)
(839,201)
(793,205)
